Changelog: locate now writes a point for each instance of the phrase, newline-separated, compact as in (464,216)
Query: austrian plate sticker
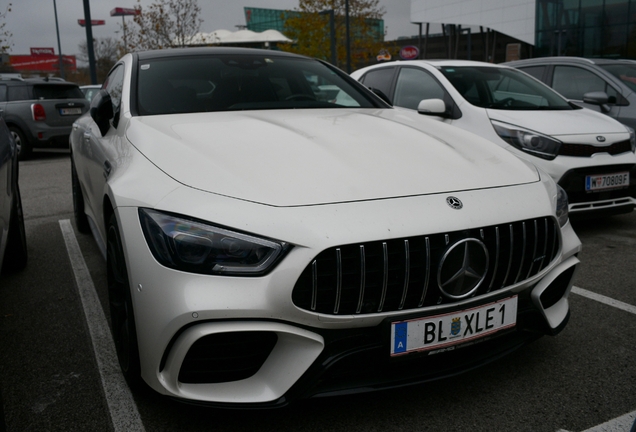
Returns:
(424,334)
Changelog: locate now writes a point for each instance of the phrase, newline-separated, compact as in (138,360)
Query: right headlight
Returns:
(562,206)
(197,247)
(632,138)
(528,141)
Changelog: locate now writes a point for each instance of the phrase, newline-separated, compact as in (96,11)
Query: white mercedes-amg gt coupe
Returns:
(275,231)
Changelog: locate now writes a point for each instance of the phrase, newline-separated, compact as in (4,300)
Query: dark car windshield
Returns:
(624,72)
(242,82)
(57,91)
(503,88)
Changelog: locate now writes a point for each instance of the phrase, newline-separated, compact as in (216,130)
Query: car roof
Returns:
(567,59)
(183,52)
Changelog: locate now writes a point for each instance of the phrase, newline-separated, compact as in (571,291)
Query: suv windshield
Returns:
(242,82)
(57,91)
(502,88)
(625,73)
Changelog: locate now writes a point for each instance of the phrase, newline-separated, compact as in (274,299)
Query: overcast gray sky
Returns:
(32,22)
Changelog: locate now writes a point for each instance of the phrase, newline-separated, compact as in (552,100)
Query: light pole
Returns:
(59,45)
(348,40)
(332,34)
(89,42)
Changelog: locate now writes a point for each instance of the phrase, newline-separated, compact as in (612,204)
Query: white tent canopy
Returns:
(223,37)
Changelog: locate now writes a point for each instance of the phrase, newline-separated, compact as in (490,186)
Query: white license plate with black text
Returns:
(70,111)
(607,181)
(424,334)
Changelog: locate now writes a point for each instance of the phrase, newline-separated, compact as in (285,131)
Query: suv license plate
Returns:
(424,334)
(607,181)
(70,111)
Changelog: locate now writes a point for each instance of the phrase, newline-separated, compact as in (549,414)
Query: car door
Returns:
(574,81)
(100,149)
(414,84)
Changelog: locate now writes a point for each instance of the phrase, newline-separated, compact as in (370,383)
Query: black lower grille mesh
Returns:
(402,274)
(226,357)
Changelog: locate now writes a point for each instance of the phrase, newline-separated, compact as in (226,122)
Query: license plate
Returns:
(607,181)
(70,111)
(424,334)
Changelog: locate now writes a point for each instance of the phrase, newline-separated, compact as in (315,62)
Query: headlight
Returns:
(562,206)
(528,141)
(632,138)
(197,247)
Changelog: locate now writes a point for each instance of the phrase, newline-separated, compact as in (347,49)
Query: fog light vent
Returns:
(225,357)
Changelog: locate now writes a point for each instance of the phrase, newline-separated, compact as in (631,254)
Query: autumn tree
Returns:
(311,30)
(164,24)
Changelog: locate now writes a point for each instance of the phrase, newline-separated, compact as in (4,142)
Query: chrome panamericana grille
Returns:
(403,274)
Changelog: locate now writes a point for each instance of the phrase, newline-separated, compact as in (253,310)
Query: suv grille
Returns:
(415,272)
(586,150)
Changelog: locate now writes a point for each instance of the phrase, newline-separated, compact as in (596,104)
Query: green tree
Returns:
(164,24)
(311,31)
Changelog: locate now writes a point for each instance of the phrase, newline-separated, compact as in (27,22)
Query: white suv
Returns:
(590,155)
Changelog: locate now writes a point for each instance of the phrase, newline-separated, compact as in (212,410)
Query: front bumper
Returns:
(187,322)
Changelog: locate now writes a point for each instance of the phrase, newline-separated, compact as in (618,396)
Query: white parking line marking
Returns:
(620,424)
(123,410)
(605,300)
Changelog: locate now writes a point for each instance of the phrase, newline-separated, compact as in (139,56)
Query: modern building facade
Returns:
(586,28)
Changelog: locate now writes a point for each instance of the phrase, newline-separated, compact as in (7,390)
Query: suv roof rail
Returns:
(11,77)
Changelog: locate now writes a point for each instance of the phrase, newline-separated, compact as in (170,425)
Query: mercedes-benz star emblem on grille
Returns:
(600,138)
(463,268)
(454,202)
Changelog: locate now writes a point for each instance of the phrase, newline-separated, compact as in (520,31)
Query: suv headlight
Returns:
(528,141)
(562,206)
(197,247)
(632,138)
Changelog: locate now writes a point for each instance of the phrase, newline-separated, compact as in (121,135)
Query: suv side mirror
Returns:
(434,107)
(102,110)
(599,98)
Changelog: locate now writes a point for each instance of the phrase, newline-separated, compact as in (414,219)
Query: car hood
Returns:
(308,157)
(560,123)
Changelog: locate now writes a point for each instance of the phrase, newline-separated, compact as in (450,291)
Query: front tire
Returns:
(121,307)
(15,256)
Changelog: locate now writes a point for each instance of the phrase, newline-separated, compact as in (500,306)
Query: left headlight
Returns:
(562,206)
(197,247)
(528,141)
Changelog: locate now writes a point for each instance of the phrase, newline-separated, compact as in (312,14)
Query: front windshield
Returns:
(503,88)
(242,82)
(625,73)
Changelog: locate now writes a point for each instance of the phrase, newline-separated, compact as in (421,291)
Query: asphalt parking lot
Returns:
(57,373)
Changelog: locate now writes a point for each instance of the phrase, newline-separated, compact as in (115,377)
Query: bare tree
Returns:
(5,35)
(164,24)
(107,51)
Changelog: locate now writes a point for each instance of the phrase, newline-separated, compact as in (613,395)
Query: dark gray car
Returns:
(605,85)
(40,112)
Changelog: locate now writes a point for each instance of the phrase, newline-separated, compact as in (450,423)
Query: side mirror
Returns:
(102,111)
(434,107)
(381,95)
(599,98)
